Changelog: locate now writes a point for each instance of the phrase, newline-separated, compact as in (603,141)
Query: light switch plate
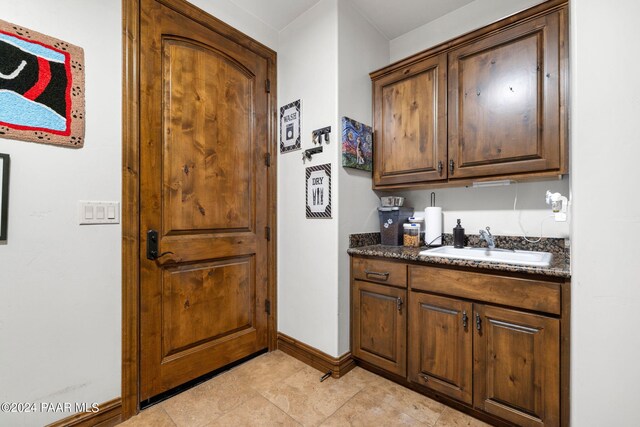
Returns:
(90,213)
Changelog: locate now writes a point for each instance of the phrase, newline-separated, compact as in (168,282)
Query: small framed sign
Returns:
(290,127)
(4,195)
(319,191)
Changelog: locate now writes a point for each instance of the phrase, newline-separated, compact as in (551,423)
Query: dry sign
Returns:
(319,191)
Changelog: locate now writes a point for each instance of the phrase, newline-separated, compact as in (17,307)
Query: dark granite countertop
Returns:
(560,262)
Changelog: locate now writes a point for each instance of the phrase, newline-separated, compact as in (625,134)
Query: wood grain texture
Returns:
(504,101)
(387,272)
(516,358)
(516,292)
(110,414)
(379,325)
(315,358)
(410,124)
(130,208)
(131,185)
(440,345)
(513,127)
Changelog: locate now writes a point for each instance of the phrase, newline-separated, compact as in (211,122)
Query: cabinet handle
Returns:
(440,167)
(425,377)
(376,273)
(399,303)
(478,323)
(451,164)
(465,319)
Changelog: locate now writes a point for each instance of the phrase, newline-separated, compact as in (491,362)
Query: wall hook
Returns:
(319,133)
(306,154)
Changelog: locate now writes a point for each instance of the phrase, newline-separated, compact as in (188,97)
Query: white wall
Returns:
(60,282)
(307,257)
(60,307)
(481,207)
(605,151)
(361,49)
(239,19)
(470,17)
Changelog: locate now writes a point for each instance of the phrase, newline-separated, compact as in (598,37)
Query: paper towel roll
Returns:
(433,222)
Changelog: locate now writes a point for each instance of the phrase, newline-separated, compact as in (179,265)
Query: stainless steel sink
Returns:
(505,256)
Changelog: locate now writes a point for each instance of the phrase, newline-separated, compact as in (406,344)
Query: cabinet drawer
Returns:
(516,292)
(373,270)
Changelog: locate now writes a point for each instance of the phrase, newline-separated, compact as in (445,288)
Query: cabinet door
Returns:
(410,124)
(517,366)
(440,345)
(379,326)
(504,102)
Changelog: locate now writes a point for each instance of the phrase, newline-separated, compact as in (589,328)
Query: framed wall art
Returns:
(318,182)
(41,88)
(290,127)
(357,147)
(4,195)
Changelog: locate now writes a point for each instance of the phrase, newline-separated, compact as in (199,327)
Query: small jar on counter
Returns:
(411,235)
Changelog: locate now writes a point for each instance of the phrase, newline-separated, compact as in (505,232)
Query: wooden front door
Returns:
(203,189)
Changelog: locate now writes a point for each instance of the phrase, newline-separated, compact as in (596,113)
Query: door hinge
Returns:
(267,307)
(267,233)
(267,159)
(267,86)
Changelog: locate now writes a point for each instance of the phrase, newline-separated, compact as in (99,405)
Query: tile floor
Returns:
(276,389)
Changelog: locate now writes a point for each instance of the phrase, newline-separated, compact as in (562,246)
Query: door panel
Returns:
(440,345)
(208,126)
(516,366)
(410,123)
(504,102)
(215,296)
(203,133)
(380,326)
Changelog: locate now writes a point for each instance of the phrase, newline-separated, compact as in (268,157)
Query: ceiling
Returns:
(392,18)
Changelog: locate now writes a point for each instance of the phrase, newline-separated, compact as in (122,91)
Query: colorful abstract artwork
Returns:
(41,88)
(357,145)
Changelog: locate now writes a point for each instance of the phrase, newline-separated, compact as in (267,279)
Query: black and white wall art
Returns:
(290,127)
(319,191)
(4,195)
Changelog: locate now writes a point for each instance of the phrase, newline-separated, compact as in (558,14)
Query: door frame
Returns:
(131,184)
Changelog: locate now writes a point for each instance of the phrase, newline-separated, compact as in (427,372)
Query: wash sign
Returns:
(319,191)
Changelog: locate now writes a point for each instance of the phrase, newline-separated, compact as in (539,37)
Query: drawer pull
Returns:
(377,273)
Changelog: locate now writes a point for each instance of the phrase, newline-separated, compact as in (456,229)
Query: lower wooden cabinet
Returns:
(379,326)
(500,358)
(517,360)
(440,345)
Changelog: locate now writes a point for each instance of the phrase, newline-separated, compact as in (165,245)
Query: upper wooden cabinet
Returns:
(411,123)
(504,102)
(488,105)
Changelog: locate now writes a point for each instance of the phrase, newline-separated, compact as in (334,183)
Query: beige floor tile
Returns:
(452,418)
(255,413)
(406,401)
(155,416)
(362,378)
(361,410)
(265,370)
(307,400)
(208,401)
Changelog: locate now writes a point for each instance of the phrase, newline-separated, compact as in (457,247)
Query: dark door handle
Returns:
(152,246)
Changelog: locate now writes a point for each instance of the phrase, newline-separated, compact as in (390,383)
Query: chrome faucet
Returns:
(488,237)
